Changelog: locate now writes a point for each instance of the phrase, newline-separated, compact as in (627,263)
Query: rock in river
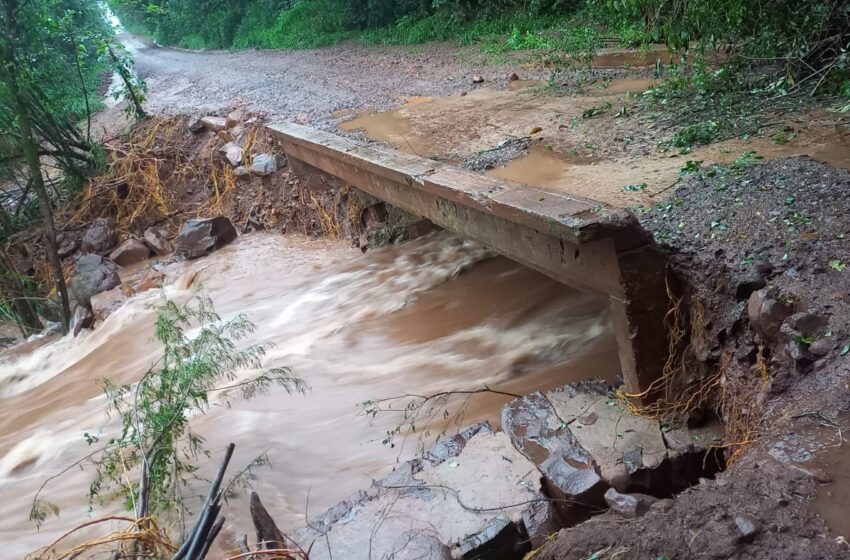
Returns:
(157,240)
(92,275)
(100,237)
(199,238)
(129,252)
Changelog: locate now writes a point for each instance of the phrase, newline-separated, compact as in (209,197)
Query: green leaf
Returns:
(837,265)
(635,188)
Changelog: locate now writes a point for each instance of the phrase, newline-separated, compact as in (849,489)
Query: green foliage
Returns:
(154,413)
(698,134)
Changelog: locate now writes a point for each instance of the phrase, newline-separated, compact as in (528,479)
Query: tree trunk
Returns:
(128,83)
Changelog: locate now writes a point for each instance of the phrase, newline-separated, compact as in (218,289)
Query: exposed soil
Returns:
(781,227)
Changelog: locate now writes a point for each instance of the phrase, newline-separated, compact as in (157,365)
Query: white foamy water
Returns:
(435,314)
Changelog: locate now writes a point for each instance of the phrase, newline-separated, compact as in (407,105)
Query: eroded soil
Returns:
(782,226)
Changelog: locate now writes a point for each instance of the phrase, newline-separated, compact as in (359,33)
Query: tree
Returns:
(11,75)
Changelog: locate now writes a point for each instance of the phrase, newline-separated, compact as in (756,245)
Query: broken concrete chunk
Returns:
(214,124)
(198,238)
(451,446)
(460,505)
(130,252)
(682,440)
(232,152)
(263,164)
(539,433)
(619,443)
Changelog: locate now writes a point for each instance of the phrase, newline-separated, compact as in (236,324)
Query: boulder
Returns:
(263,164)
(630,506)
(129,252)
(477,79)
(513,76)
(92,275)
(101,237)
(157,241)
(235,117)
(195,126)
(66,245)
(105,303)
(199,238)
(232,152)
(242,171)
(214,124)
(767,313)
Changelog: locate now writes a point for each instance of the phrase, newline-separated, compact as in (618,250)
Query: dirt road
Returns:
(306,85)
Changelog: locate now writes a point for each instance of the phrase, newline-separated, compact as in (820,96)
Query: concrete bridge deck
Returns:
(583,243)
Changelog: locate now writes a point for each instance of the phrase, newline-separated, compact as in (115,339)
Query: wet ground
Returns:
(422,100)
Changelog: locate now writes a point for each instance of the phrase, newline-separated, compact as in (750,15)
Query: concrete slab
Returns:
(475,504)
(620,443)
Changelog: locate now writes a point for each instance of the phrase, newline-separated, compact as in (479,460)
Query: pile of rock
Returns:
(96,287)
(232,131)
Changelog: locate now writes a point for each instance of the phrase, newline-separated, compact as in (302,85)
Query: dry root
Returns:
(684,386)
(141,537)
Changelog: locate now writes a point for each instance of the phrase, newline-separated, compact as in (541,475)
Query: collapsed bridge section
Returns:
(583,243)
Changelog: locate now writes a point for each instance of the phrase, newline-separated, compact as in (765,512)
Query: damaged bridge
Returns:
(583,243)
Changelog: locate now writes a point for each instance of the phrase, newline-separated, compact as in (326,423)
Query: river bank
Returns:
(758,248)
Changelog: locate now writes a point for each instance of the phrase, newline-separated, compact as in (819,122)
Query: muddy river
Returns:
(435,314)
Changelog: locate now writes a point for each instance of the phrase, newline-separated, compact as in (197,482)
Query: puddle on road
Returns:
(539,167)
(625,85)
(388,126)
(833,500)
(608,59)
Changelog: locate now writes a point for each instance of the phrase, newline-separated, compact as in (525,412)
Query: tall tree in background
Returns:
(53,56)
(13,75)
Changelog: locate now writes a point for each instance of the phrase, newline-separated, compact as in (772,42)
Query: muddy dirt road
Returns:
(306,84)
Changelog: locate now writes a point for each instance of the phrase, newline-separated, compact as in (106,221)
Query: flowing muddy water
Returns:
(435,314)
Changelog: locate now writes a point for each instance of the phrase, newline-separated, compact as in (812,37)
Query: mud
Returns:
(617,156)
(782,225)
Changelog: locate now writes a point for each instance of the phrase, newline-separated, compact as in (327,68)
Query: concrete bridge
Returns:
(583,243)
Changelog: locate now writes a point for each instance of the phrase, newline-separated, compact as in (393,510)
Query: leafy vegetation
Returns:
(53,58)
(154,437)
